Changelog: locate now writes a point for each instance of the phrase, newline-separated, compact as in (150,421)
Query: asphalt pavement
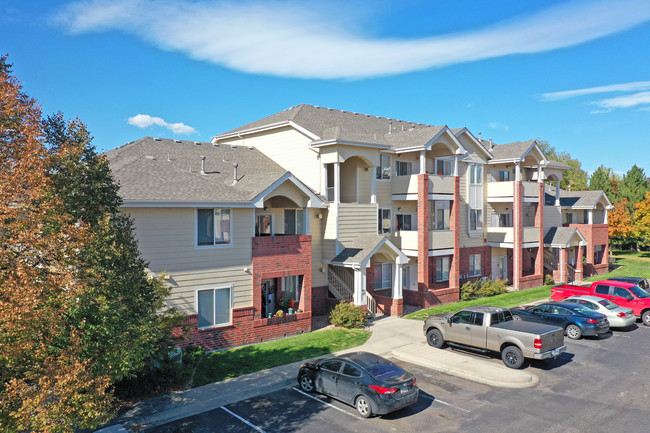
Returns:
(391,337)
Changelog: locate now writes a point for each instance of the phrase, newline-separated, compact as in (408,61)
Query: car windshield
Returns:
(639,292)
(385,371)
(607,304)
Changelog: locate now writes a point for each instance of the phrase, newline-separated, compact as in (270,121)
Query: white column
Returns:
(337,182)
(360,287)
(590,217)
(539,174)
(456,164)
(605,222)
(397,281)
(557,193)
(307,218)
(323,181)
(373,185)
(517,171)
(423,162)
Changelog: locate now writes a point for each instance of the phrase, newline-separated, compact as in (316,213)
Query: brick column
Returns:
(579,264)
(606,253)
(563,268)
(590,249)
(539,222)
(423,233)
(454,225)
(518,229)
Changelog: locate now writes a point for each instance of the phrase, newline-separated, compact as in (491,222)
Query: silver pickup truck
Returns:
(493,329)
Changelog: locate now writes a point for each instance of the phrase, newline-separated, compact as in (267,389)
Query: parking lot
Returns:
(598,385)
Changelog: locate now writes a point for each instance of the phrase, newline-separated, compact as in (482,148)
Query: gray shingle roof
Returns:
(358,249)
(331,124)
(559,235)
(148,169)
(511,150)
(580,199)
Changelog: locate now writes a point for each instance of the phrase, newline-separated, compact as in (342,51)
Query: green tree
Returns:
(121,311)
(633,186)
(573,179)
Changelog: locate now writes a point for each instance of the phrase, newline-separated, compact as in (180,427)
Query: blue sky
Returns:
(575,73)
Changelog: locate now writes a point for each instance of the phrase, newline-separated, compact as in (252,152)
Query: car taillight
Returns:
(537,343)
(620,315)
(382,390)
(414,382)
(592,320)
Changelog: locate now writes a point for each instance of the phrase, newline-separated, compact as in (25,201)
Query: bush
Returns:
(482,288)
(347,315)
(548,280)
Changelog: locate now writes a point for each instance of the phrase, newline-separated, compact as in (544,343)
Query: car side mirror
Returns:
(449,320)
(629,297)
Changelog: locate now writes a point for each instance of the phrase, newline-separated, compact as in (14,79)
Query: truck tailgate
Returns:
(552,339)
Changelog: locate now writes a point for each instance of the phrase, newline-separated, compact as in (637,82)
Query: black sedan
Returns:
(370,383)
(641,282)
(575,319)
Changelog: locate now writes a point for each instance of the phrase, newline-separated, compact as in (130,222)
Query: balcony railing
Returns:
(507,189)
(507,234)
(409,184)
(438,239)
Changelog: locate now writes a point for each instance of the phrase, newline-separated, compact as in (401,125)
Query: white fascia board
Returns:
(411,253)
(445,252)
(447,131)
(531,199)
(324,143)
(505,161)
(536,146)
(478,143)
(314,200)
(186,204)
(530,245)
(500,245)
(414,196)
(264,128)
(500,199)
(401,257)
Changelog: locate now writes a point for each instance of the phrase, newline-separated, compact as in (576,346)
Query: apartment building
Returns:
(325,205)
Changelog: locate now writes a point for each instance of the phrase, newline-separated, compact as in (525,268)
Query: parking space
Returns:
(598,385)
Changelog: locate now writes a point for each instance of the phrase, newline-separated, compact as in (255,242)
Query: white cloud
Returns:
(295,39)
(498,125)
(625,101)
(624,87)
(146,121)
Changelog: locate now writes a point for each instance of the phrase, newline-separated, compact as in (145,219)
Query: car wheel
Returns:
(434,338)
(515,317)
(512,357)
(306,383)
(363,406)
(573,332)
(645,318)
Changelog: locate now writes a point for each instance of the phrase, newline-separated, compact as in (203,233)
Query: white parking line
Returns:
(324,402)
(437,400)
(243,420)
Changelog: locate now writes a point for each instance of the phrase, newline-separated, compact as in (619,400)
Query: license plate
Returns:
(555,352)
(404,389)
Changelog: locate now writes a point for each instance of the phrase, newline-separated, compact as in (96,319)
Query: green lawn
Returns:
(221,365)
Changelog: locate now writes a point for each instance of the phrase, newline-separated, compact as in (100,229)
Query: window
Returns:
(294,221)
(602,289)
(383,171)
(442,214)
(442,268)
(619,291)
(383,222)
(331,365)
(501,220)
(351,370)
(403,168)
(214,306)
(476,219)
(383,276)
(569,218)
(462,317)
(474,265)
(263,225)
(475,174)
(444,167)
(477,319)
(503,176)
(213,226)
(598,254)
(292,286)
(406,222)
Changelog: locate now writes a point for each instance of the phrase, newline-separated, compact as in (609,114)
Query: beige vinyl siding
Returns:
(288,148)
(365,184)
(356,220)
(315,229)
(349,172)
(552,217)
(465,240)
(167,240)
(384,193)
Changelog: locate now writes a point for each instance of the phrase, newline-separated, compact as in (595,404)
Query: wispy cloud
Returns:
(296,39)
(625,101)
(624,87)
(146,121)
(499,125)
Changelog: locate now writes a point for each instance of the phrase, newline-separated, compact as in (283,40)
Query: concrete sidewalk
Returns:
(391,336)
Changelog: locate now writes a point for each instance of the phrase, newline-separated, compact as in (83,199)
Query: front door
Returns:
(500,267)
(328,376)
(458,330)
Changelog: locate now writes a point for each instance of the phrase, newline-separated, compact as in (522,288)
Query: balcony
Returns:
(501,190)
(409,184)
(438,239)
(282,245)
(506,235)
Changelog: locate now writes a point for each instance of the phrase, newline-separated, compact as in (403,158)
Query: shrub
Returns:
(548,280)
(347,315)
(482,288)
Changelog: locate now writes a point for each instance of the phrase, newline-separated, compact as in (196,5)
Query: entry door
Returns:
(500,267)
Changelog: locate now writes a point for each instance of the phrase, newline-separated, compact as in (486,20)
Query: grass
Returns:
(506,300)
(225,364)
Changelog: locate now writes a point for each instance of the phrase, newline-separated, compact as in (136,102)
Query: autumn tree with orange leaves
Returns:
(45,385)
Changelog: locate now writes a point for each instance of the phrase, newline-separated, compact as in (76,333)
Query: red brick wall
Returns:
(595,234)
(486,262)
(518,234)
(423,232)
(319,305)
(455,226)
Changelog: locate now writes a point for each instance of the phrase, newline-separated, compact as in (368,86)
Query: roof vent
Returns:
(202,164)
(233,146)
(390,126)
(215,144)
(491,144)
(156,139)
(177,141)
(251,147)
(198,143)
(150,157)
(235,165)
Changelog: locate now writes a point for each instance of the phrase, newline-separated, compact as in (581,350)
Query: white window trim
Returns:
(414,221)
(469,220)
(390,169)
(411,168)
(390,219)
(471,258)
(213,246)
(469,174)
(448,268)
(444,158)
(305,222)
(390,267)
(272,221)
(447,206)
(196,304)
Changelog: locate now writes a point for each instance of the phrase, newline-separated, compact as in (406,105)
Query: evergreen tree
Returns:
(633,186)
(573,179)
